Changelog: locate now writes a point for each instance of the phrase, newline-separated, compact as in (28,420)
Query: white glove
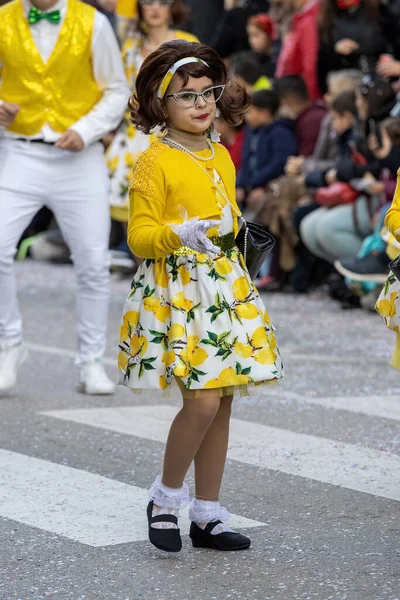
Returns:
(193,235)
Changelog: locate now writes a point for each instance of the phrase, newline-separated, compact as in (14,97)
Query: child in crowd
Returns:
(192,296)
(246,70)
(269,141)
(295,104)
(331,233)
(261,33)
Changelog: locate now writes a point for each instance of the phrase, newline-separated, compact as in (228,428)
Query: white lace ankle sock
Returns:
(161,510)
(167,501)
(203,512)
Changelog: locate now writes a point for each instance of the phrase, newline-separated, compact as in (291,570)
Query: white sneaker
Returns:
(11,358)
(93,379)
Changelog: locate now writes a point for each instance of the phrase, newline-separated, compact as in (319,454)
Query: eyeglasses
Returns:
(153,2)
(189,99)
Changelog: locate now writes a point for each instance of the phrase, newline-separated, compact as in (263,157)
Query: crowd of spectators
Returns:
(318,154)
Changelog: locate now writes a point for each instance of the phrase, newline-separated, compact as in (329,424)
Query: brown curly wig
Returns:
(148,111)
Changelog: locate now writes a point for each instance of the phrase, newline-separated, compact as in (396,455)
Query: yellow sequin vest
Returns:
(58,92)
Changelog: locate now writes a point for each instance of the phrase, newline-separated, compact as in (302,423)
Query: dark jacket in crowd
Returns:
(374,36)
(230,34)
(325,151)
(392,161)
(307,127)
(265,153)
(205,14)
(343,143)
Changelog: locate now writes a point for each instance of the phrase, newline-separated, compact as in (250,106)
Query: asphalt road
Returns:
(313,475)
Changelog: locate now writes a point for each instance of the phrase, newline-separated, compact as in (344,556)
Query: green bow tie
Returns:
(36,15)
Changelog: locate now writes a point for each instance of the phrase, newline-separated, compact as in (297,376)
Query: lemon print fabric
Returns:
(386,305)
(200,320)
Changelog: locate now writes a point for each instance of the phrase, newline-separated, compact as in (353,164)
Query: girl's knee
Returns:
(205,408)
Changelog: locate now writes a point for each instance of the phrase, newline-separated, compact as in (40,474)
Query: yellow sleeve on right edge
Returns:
(148,235)
(392,220)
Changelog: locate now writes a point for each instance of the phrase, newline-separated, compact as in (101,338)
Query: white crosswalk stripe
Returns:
(82,506)
(386,407)
(326,460)
(99,511)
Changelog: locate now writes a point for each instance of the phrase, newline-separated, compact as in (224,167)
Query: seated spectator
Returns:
(295,104)
(325,150)
(374,265)
(338,232)
(261,32)
(246,70)
(269,141)
(299,51)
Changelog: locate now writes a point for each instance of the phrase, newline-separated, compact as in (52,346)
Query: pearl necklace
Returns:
(173,144)
(195,158)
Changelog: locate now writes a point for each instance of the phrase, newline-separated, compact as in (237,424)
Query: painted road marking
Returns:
(82,506)
(354,467)
(387,406)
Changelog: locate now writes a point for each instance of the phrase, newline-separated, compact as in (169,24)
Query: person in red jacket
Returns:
(300,49)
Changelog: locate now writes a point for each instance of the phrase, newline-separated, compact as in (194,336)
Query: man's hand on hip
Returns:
(8,112)
(70,140)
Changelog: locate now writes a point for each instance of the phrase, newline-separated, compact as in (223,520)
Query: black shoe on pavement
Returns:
(168,540)
(228,540)
(373,267)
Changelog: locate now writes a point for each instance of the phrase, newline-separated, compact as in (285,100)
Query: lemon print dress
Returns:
(189,319)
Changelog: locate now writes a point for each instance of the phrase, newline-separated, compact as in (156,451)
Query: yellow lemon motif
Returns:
(247,311)
(130,131)
(161,311)
(129,159)
(265,356)
(168,358)
(222,266)
(259,339)
(139,345)
(113,163)
(181,370)
(184,274)
(163,382)
(241,288)
(271,340)
(161,275)
(196,355)
(129,322)
(244,350)
(384,308)
(226,378)
(266,318)
(122,360)
(176,332)
(179,301)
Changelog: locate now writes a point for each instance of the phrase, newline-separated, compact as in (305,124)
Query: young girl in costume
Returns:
(193,316)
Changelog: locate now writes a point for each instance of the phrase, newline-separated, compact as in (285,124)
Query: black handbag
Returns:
(255,243)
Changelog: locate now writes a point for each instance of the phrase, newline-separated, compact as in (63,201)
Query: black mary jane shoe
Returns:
(228,540)
(168,540)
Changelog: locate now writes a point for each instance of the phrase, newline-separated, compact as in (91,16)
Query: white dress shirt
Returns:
(107,70)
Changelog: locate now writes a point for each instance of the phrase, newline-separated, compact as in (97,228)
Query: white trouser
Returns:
(74,186)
